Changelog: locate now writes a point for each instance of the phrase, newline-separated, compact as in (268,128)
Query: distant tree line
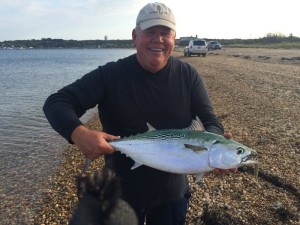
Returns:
(61,43)
(271,39)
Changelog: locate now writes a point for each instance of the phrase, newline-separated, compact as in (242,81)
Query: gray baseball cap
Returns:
(156,14)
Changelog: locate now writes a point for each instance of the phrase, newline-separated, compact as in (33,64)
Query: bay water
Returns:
(29,148)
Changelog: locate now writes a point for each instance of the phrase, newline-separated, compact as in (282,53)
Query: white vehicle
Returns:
(196,47)
(214,45)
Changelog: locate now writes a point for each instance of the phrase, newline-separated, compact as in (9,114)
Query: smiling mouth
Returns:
(156,49)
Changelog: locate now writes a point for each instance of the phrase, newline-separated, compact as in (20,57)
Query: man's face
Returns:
(154,46)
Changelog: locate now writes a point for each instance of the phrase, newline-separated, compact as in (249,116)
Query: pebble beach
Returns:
(256,95)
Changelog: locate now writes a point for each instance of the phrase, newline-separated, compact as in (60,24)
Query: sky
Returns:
(95,19)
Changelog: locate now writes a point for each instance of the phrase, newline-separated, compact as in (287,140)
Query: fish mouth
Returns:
(252,158)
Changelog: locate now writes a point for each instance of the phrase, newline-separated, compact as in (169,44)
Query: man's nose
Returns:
(158,37)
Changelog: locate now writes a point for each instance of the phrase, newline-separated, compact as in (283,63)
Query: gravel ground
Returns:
(258,100)
(256,94)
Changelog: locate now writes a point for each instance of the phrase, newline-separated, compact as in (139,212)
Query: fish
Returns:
(191,151)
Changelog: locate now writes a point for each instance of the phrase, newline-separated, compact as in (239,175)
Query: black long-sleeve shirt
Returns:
(129,97)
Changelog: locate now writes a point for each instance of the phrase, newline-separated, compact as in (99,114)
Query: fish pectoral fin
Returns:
(198,177)
(195,147)
(136,165)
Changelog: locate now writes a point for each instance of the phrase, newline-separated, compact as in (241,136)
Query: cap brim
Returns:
(157,22)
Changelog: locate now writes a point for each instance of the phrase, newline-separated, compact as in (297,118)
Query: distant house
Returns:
(184,41)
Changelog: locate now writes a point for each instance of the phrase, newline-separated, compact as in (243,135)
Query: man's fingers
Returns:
(228,135)
(109,137)
(221,171)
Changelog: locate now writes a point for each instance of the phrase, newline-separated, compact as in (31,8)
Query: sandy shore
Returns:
(258,100)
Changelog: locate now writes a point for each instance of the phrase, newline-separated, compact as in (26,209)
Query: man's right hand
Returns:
(92,144)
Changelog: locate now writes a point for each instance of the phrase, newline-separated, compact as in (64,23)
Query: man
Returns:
(151,87)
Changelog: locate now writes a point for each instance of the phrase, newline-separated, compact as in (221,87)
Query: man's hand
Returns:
(228,135)
(220,171)
(93,144)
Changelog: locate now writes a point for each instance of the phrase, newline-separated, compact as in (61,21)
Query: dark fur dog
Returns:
(100,201)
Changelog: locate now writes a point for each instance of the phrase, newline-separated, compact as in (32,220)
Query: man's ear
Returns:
(134,37)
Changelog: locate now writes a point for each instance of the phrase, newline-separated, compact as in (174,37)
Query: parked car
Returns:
(196,47)
(214,45)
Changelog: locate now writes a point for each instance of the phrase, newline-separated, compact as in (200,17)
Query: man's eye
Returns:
(149,32)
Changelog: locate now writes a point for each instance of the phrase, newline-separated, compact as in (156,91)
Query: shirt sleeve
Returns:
(64,108)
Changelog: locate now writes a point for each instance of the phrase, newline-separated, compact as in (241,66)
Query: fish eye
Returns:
(240,150)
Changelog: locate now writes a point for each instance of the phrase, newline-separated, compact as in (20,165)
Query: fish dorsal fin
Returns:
(195,147)
(136,165)
(196,125)
(150,128)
